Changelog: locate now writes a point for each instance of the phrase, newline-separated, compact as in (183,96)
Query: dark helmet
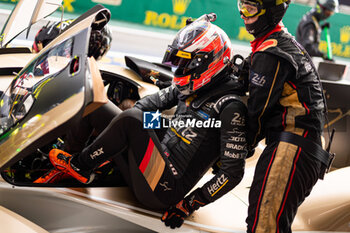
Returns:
(100,42)
(47,33)
(331,5)
(198,53)
(270,13)
(325,8)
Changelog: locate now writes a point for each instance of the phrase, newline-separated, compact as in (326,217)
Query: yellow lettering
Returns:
(323,46)
(346,52)
(337,49)
(340,50)
(164,20)
(173,23)
(151,18)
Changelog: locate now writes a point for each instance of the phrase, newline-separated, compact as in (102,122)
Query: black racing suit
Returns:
(285,95)
(308,33)
(163,165)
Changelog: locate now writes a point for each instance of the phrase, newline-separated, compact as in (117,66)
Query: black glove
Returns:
(175,215)
(239,65)
(325,25)
(243,75)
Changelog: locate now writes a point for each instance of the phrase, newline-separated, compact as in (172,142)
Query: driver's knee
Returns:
(132,113)
(128,119)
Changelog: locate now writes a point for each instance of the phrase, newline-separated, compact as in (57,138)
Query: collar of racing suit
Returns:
(259,40)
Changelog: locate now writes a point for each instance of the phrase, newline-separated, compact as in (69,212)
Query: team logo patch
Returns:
(151,120)
(257,79)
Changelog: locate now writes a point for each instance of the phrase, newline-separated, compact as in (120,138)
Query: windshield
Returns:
(19,97)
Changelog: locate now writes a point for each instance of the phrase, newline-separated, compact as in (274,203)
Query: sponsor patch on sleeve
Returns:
(258,79)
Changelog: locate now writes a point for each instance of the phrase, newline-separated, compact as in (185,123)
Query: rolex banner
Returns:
(172,14)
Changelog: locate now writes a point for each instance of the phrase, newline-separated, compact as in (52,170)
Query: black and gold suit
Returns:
(284,95)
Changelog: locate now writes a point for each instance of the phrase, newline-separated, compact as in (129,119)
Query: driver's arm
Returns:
(232,155)
(163,99)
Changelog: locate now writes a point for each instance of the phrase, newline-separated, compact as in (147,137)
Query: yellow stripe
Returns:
(290,100)
(148,170)
(220,188)
(261,12)
(275,187)
(267,102)
(13,105)
(154,169)
(183,139)
(155,180)
(157,173)
(267,44)
(316,22)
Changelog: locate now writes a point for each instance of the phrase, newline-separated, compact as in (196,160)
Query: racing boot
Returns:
(61,160)
(52,176)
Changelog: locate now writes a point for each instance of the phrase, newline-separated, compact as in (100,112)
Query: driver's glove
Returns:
(175,215)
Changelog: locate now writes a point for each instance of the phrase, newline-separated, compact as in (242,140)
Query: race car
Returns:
(37,109)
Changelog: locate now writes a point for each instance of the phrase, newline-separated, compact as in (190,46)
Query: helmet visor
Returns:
(176,58)
(250,9)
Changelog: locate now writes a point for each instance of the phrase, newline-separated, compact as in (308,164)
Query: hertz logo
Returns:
(180,6)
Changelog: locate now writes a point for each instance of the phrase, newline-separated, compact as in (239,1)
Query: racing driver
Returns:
(162,165)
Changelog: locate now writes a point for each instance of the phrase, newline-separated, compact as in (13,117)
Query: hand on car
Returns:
(175,215)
